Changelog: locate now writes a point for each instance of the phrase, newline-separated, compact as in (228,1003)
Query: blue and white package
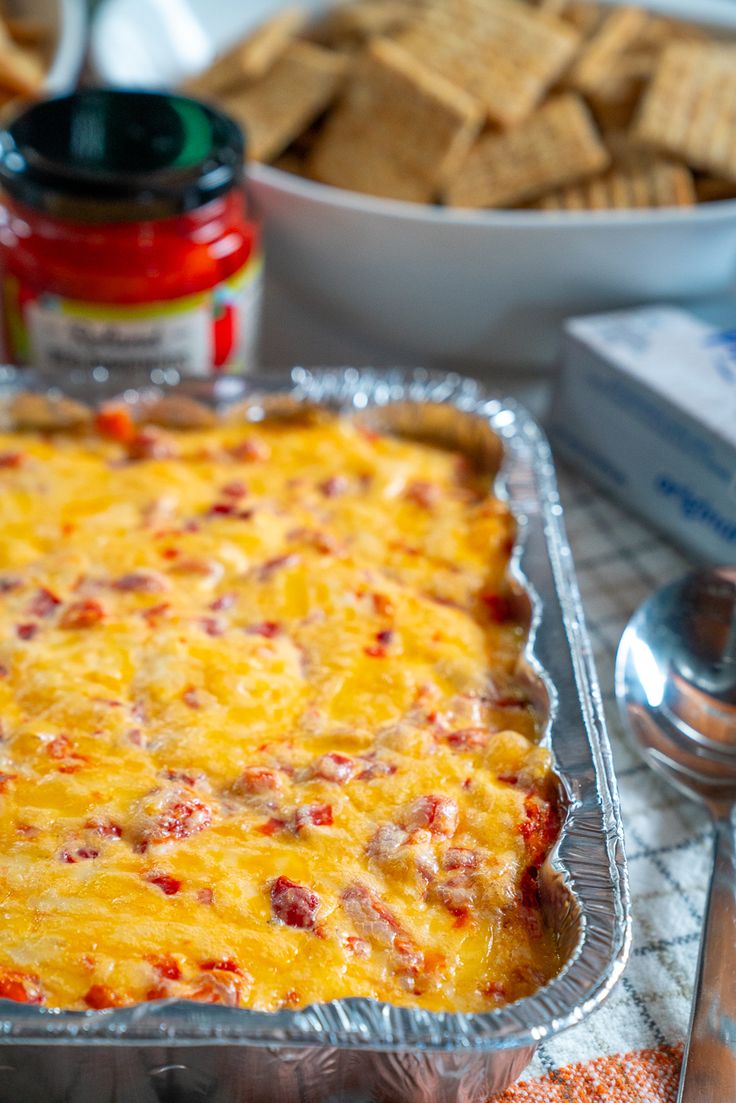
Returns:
(646,406)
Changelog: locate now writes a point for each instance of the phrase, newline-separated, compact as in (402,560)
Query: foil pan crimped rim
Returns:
(588,860)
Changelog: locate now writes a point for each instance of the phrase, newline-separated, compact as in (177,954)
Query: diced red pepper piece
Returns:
(99,997)
(376,922)
(26,631)
(151,444)
(383,606)
(180,814)
(10,460)
(106,829)
(223,602)
(21,987)
(267,569)
(61,747)
(43,603)
(422,493)
(334,767)
(540,828)
(259,779)
(169,885)
(213,626)
(222,509)
(115,423)
(386,842)
(235,489)
(313,815)
(456,893)
(155,613)
(250,450)
(81,854)
(334,486)
(459,857)
(224,965)
(438,815)
(495,990)
(295,905)
(82,614)
(167,967)
(141,582)
(376,768)
(267,628)
(190,697)
(219,988)
(468,739)
(361,947)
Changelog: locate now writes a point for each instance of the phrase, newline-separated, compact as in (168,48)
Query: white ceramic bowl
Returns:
(473,288)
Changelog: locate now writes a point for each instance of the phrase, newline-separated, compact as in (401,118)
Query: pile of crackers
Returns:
(544,104)
(25,48)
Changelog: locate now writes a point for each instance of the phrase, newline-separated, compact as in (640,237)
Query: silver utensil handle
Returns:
(709,1066)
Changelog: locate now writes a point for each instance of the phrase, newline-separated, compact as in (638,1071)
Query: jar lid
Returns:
(102,155)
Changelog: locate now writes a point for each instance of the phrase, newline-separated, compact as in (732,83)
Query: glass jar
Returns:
(126,238)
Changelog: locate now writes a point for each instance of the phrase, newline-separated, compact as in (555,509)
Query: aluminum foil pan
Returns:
(360,1049)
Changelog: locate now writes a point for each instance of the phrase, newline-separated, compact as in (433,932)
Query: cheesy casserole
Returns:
(262,742)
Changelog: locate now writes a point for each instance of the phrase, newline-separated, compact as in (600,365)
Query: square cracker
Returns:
(298,88)
(652,182)
(503,52)
(689,109)
(21,71)
(398,129)
(710,189)
(349,25)
(619,32)
(558,145)
(584,16)
(616,98)
(249,59)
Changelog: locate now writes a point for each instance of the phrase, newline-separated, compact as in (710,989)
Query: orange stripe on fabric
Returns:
(646,1076)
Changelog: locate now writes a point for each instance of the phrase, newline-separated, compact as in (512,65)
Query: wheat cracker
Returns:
(558,145)
(293,93)
(651,183)
(584,16)
(398,129)
(712,189)
(21,70)
(251,58)
(618,33)
(689,108)
(505,53)
(662,30)
(616,98)
(350,25)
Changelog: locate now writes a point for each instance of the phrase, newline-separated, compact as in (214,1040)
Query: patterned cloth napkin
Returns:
(630,1051)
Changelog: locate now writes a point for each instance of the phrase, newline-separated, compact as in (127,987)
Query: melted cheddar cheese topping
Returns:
(261,739)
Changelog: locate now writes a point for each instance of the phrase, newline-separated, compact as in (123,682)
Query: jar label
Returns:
(211,331)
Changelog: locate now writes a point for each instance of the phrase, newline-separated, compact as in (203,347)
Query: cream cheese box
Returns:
(646,407)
